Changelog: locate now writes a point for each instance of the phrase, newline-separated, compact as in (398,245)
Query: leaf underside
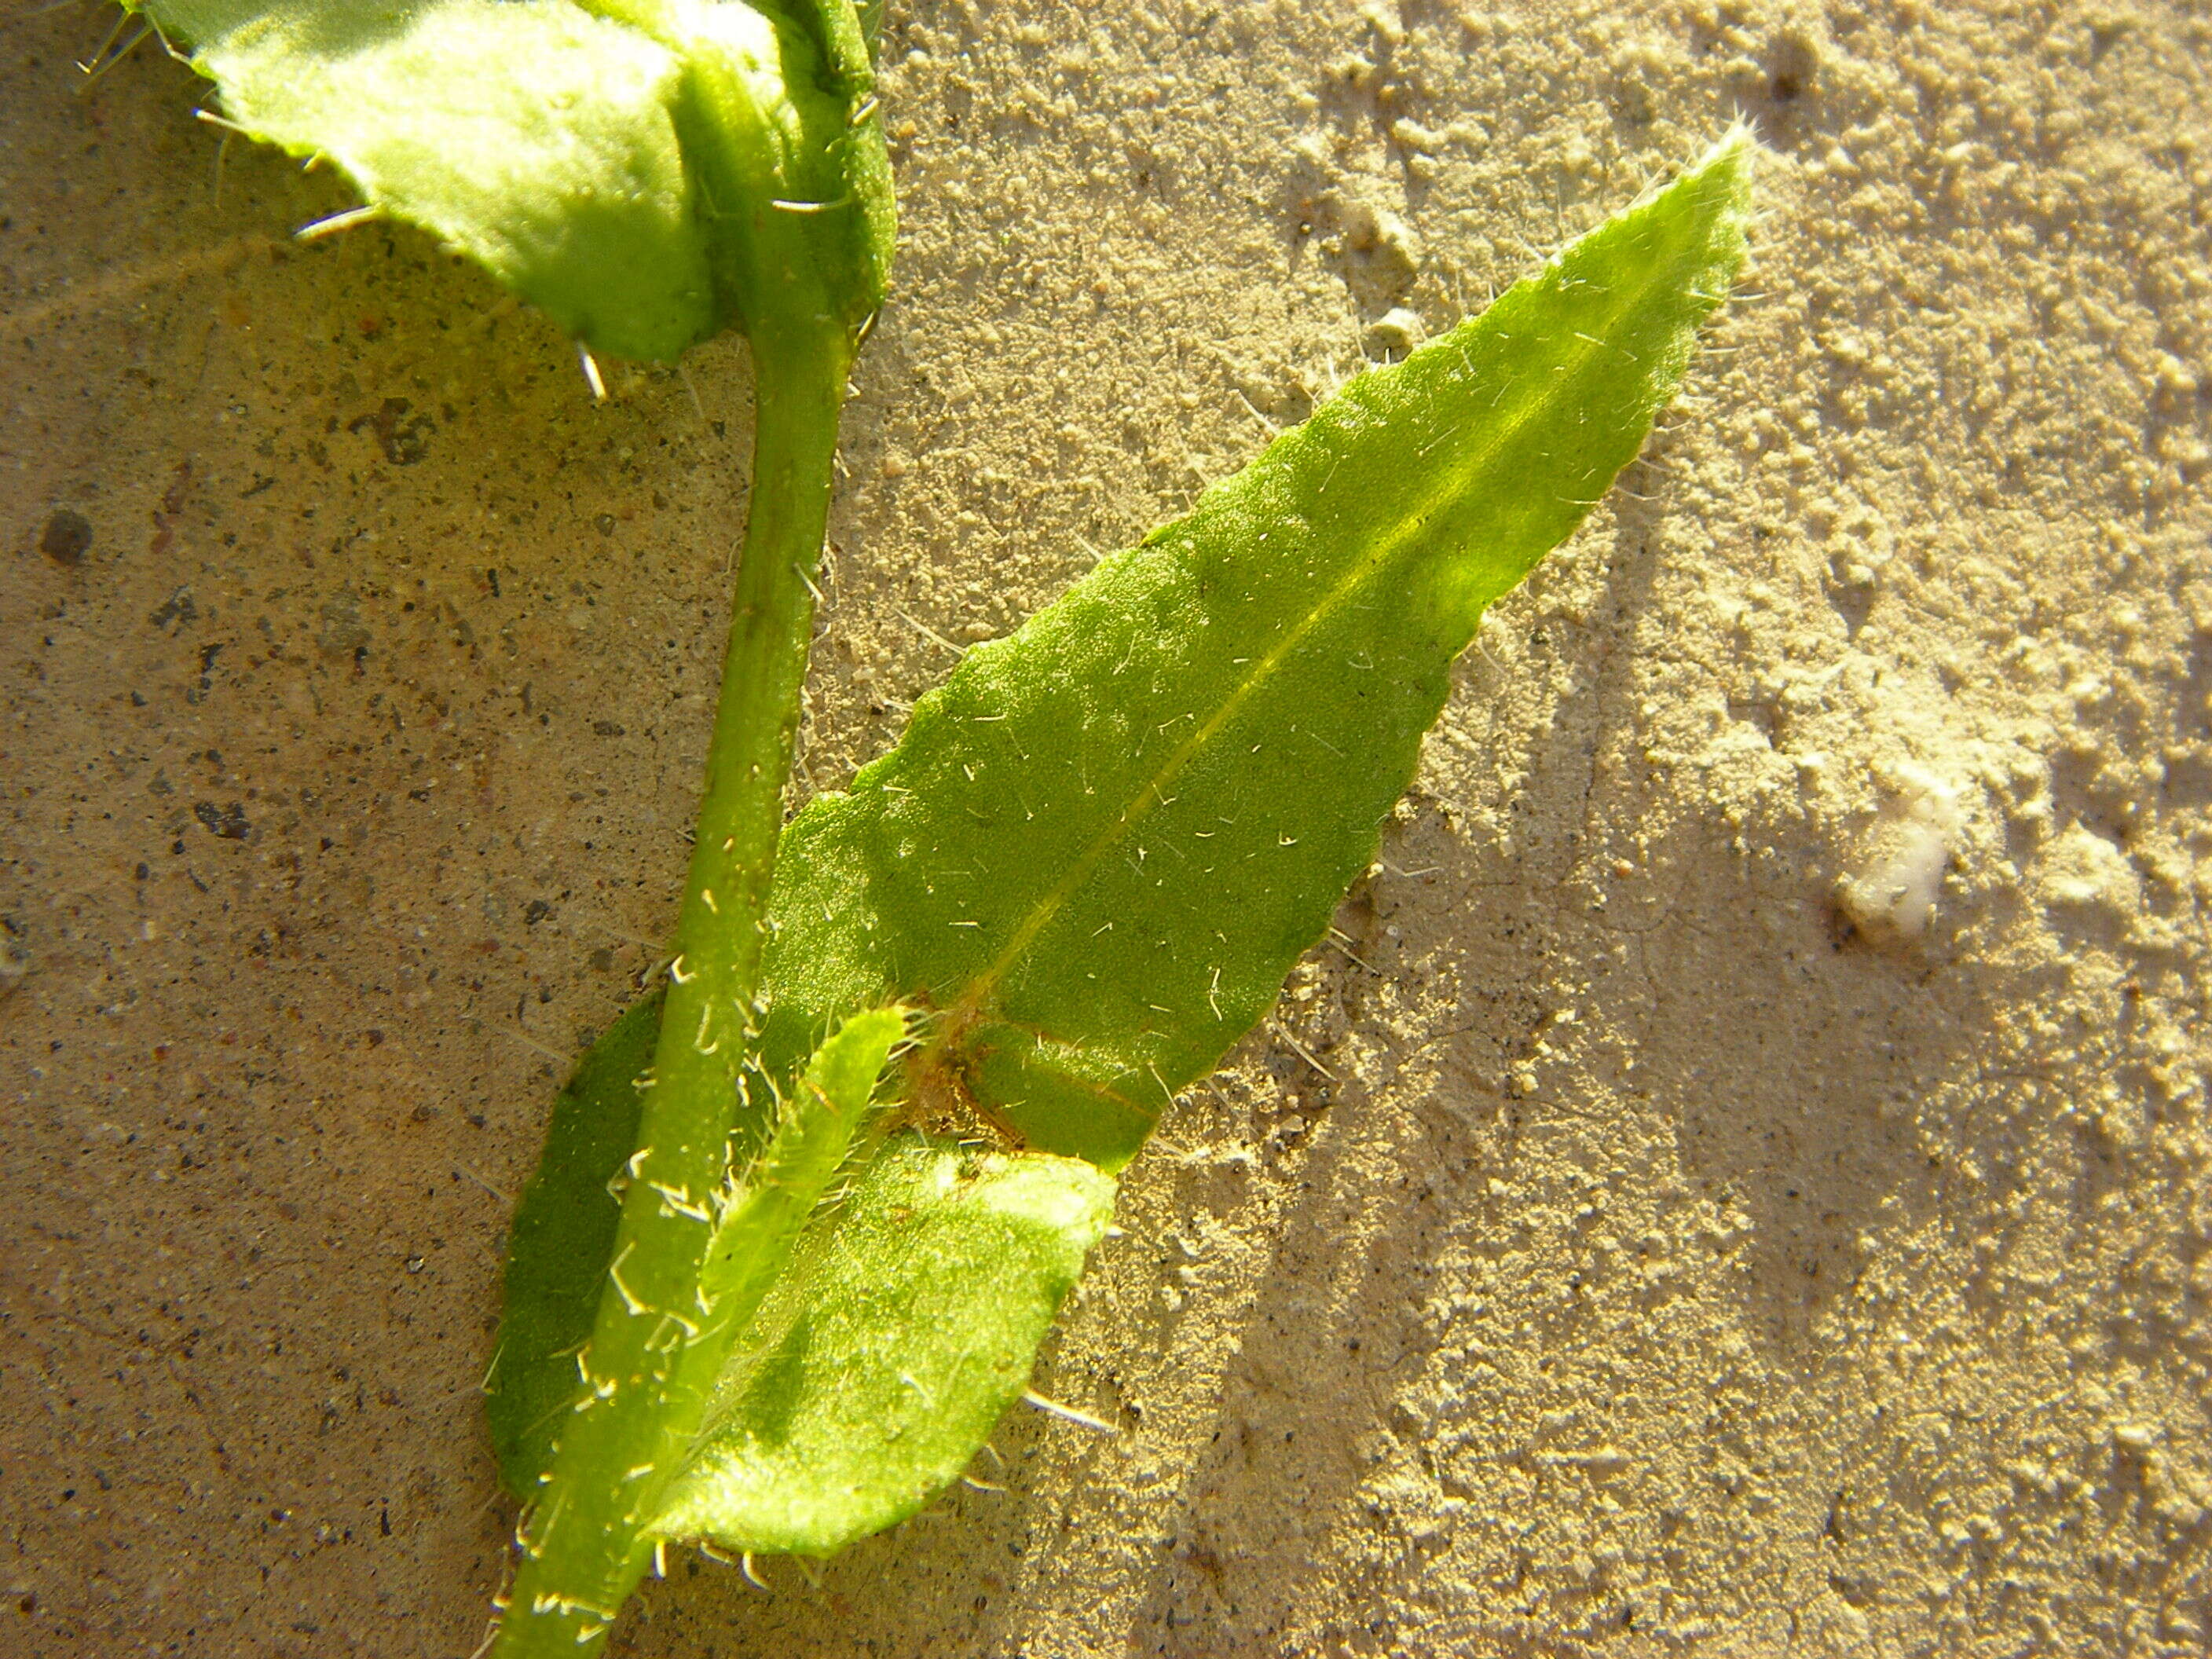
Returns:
(560,150)
(829,1116)
(527,134)
(906,1325)
(563,1233)
(1103,842)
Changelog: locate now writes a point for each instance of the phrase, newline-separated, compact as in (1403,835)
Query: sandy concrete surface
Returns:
(1749,1191)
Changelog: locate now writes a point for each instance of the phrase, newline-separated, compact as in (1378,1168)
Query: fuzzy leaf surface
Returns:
(563,1233)
(830,1118)
(908,1323)
(1102,842)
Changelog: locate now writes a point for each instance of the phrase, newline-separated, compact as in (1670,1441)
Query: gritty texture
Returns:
(1735,1183)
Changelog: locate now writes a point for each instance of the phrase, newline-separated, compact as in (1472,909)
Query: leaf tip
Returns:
(1723,175)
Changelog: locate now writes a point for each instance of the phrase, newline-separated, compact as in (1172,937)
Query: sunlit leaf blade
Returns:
(1101,844)
(558,1244)
(615,161)
(908,1325)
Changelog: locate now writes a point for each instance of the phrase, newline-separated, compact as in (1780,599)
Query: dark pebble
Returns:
(66,537)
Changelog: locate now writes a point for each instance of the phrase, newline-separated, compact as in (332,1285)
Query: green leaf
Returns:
(563,1233)
(620,164)
(908,1325)
(558,1245)
(771,1201)
(1100,845)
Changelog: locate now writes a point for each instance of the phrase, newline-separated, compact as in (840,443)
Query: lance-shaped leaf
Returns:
(633,167)
(906,1325)
(1257,676)
(1102,842)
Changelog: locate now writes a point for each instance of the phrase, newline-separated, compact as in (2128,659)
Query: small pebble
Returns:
(1395,333)
(66,537)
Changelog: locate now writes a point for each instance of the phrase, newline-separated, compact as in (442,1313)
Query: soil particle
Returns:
(67,536)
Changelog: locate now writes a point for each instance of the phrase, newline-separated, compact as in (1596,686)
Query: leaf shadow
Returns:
(1386,1407)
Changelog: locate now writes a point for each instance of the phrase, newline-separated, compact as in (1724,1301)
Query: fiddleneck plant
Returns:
(806,1210)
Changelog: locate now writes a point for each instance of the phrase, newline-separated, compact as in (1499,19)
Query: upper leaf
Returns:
(1102,842)
(647,171)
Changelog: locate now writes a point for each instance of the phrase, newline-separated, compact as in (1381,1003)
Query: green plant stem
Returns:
(657,1344)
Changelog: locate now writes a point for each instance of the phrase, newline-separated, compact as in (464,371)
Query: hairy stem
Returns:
(659,1341)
